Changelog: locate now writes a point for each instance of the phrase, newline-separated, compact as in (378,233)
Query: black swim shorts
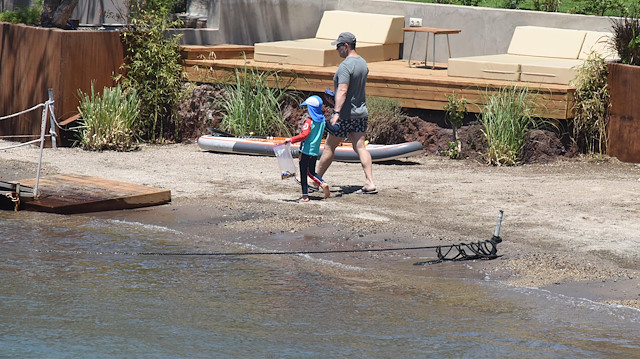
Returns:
(346,126)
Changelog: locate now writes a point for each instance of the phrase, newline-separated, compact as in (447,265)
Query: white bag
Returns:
(285,160)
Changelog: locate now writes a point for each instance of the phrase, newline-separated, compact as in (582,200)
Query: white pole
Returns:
(43,126)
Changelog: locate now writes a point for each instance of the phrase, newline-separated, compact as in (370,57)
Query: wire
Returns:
(481,250)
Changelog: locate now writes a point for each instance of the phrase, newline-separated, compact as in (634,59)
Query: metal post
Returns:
(426,49)
(496,232)
(43,126)
(434,53)
(411,51)
(52,121)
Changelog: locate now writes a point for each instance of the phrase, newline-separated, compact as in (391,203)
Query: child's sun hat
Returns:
(314,106)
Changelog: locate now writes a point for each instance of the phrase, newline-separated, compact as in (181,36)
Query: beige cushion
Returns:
(536,54)
(598,42)
(375,28)
(319,52)
(546,42)
(379,38)
(495,67)
(549,70)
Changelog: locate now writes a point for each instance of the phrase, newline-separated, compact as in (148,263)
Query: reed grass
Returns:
(385,115)
(591,104)
(252,107)
(506,118)
(108,120)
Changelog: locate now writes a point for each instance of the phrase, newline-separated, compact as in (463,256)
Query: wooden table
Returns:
(435,31)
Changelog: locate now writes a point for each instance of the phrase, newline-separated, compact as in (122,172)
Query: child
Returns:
(311,135)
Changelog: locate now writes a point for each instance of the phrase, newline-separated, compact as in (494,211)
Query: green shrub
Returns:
(152,68)
(23,15)
(251,107)
(546,5)
(591,104)
(511,4)
(506,118)
(455,111)
(588,7)
(600,7)
(626,38)
(384,117)
(108,121)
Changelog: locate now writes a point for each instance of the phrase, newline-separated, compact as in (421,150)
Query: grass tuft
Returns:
(108,121)
(251,107)
(506,118)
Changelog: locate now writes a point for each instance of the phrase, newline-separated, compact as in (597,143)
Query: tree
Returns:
(55,13)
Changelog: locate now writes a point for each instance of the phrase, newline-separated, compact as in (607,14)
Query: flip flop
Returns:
(366,191)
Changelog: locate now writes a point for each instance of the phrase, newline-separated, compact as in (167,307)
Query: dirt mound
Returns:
(199,110)
(542,146)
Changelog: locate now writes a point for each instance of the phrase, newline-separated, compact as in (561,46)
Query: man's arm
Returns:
(341,98)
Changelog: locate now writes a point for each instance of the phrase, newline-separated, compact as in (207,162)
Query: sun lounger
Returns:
(536,54)
(379,38)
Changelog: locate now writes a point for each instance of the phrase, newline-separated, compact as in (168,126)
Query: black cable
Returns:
(481,250)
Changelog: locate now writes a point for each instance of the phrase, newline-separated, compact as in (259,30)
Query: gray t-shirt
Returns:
(353,71)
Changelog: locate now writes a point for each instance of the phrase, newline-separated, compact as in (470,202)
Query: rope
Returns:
(482,250)
(15,198)
(19,145)
(19,136)
(23,112)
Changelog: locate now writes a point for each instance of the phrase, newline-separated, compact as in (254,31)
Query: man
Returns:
(350,113)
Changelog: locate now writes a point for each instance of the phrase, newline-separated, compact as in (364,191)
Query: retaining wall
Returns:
(33,59)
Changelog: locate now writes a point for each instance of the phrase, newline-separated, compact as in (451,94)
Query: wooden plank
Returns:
(216,52)
(413,87)
(67,194)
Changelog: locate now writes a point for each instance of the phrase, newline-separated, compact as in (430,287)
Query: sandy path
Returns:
(572,226)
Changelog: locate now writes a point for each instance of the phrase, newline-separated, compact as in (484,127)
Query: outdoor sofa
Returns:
(378,39)
(536,54)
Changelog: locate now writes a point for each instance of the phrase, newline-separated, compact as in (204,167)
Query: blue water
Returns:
(70,287)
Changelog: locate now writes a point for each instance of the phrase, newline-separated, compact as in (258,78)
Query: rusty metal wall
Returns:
(624,122)
(33,59)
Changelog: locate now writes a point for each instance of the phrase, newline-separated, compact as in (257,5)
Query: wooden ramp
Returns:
(67,194)
(414,87)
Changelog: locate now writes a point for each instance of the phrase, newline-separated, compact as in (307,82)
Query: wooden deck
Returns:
(414,87)
(67,194)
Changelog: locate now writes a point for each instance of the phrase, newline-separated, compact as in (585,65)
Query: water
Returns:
(70,288)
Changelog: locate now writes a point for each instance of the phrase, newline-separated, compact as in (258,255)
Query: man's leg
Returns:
(327,154)
(357,140)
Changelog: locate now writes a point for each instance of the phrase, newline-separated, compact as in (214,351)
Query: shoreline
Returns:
(570,227)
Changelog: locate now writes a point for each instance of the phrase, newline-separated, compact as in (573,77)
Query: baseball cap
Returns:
(314,101)
(346,37)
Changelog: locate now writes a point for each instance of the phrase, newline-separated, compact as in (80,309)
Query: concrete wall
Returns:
(484,30)
(488,31)
(245,22)
(13,4)
(99,12)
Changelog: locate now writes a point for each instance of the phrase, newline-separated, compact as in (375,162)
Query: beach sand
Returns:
(571,227)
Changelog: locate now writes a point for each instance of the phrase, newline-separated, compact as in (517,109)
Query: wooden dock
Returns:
(415,87)
(69,194)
